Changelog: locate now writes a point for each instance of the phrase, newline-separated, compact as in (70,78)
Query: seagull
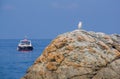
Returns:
(79,25)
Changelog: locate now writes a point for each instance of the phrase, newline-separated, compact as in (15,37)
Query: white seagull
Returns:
(79,25)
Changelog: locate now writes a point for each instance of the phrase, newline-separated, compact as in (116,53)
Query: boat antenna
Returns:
(79,25)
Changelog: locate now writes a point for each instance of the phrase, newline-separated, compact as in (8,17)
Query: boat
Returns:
(25,45)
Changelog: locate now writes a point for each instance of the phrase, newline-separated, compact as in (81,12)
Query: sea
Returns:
(14,64)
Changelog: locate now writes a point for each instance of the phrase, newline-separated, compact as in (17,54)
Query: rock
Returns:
(79,55)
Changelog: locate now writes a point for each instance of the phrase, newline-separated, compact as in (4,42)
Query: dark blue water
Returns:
(13,64)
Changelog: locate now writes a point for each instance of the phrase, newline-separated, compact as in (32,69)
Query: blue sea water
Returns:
(13,64)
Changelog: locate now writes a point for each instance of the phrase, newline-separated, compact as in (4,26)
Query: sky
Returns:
(46,19)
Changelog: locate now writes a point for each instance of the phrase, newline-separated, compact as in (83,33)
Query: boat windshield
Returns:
(25,42)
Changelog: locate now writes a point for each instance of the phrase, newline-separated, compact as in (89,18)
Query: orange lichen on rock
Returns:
(55,58)
(117,47)
(80,38)
(41,59)
(51,57)
(51,66)
(103,45)
(60,42)
(91,50)
(89,39)
(73,64)
(106,37)
(41,72)
(51,48)
(69,47)
(59,58)
(116,52)
(85,38)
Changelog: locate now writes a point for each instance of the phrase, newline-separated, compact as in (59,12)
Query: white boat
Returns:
(25,45)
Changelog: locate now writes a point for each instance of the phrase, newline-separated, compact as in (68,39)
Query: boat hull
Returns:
(29,48)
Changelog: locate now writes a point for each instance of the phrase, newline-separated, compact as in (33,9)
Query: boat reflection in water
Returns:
(25,45)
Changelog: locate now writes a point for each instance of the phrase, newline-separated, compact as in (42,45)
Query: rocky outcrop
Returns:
(79,55)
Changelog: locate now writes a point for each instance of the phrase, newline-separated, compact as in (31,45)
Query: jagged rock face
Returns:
(79,55)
